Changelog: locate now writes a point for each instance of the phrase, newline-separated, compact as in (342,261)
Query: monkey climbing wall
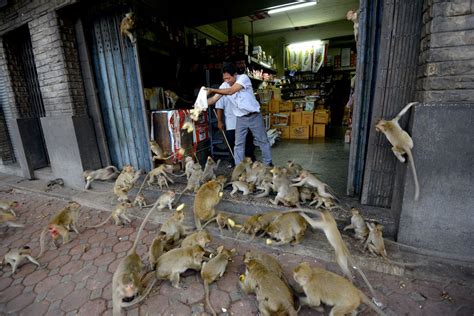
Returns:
(119,89)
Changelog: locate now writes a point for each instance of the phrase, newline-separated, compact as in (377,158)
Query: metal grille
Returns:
(31,77)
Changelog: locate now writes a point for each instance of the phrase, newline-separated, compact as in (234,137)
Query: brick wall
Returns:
(57,65)
(446,71)
(18,13)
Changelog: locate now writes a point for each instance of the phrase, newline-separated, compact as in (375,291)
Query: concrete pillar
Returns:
(68,131)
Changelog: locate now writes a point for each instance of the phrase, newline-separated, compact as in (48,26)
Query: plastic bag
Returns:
(200,104)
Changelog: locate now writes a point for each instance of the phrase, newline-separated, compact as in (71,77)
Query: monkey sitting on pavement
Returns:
(358,225)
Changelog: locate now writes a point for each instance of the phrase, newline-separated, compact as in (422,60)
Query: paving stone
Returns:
(75,300)
(12,292)
(219,299)
(71,267)
(59,262)
(155,305)
(5,282)
(91,254)
(244,307)
(178,308)
(86,273)
(36,308)
(35,277)
(122,246)
(99,281)
(19,302)
(96,293)
(95,307)
(60,291)
(192,294)
(105,259)
(97,238)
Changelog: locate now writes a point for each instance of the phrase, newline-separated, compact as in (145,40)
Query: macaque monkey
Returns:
(156,173)
(7,218)
(8,206)
(358,225)
(305,194)
(215,269)
(140,201)
(127,278)
(188,167)
(188,126)
(376,245)
(240,186)
(289,227)
(194,181)
(353,15)
(268,261)
(258,222)
(222,222)
(104,174)
(273,295)
(206,199)
(176,261)
(127,26)
(173,228)
(119,215)
(125,182)
(322,286)
(162,182)
(266,185)
(16,256)
(157,248)
(240,168)
(327,202)
(286,193)
(401,141)
(249,225)
(309,179)
(158,153)
(201,238)
(210,169)
(293,168)
(328,225)
(60,224)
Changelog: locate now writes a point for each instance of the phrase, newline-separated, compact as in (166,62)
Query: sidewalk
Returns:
(76,278)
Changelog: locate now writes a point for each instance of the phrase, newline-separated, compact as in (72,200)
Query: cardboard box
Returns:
(274,106)
(307,118)
(321,116)
(319,130)
(285,131)
(295,118)
(286,106)
(282,118)
(299,131)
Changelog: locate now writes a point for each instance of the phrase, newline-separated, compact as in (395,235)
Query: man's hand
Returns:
(209,90)
(220,125)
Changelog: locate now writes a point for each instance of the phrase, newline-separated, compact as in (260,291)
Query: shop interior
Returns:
(301,63)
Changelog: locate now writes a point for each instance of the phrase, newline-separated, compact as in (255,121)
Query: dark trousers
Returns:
(249,146)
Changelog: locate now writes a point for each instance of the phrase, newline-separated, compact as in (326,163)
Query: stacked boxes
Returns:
(321,119)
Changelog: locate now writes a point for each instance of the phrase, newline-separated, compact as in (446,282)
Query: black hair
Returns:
(229,68)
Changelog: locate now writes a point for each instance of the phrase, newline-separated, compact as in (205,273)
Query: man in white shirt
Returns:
(225,109)
(247,111)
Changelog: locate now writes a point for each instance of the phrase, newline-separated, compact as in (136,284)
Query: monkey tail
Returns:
(415,177)
(101,224)
(212,219)
(362,274)
(143,225)
(208,301)
(369,303)
(41,241)
(143,183)
(405,109)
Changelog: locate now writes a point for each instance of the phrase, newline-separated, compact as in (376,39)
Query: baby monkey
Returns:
(358,225)
(15,257)
(119,215)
